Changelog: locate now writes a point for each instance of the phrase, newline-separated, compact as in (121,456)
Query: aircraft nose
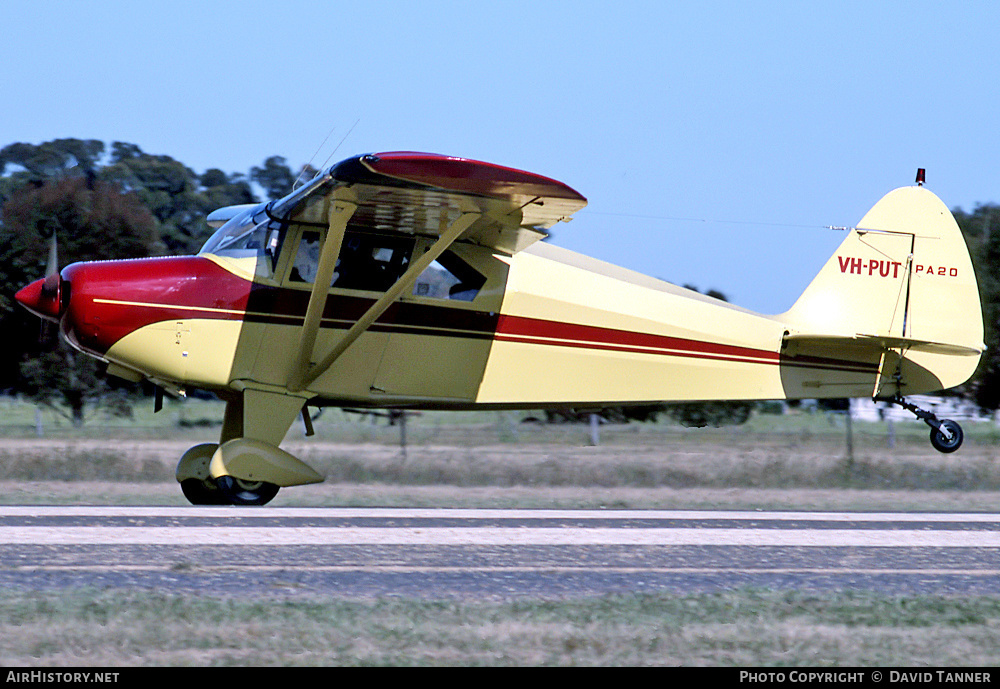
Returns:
(43,297)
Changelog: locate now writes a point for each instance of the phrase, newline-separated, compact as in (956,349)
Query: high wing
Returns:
(448,199)
(423,194)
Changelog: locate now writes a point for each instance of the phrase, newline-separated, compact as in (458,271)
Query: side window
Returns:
(306,261)
(372,262)
(449,277)
(367,262)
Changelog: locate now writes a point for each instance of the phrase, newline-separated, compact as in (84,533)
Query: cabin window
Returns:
(367,262)
(449,277)
(306,258)
(373,263)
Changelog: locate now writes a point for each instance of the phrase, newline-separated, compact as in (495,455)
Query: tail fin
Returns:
(901,282)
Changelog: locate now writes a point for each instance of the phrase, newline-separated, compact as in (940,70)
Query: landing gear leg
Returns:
(946,435)
(247,467)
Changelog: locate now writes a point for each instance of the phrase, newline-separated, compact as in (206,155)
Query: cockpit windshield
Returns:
(250,234)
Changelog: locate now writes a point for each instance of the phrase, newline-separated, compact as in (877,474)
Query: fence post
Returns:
(850,438)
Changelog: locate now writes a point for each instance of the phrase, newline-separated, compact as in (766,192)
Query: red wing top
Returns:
(475,178)
(419,193)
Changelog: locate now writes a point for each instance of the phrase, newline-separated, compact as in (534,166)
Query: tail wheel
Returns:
(241,492)
(948,437)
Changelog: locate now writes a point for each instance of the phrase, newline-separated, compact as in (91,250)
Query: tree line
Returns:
(118,201)
(981,228)
(100,202)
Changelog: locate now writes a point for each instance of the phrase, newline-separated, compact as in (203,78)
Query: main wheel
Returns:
(200,492)
(192,473)
(240,492)
(941,441)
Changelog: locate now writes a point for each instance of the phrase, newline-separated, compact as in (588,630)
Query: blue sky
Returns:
(714,140)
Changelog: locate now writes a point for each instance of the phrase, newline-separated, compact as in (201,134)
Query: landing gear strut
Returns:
(946,435)
(247,467)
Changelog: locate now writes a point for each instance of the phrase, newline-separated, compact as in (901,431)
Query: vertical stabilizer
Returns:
(902,276)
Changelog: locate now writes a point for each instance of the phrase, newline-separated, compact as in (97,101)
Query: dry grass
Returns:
(744,629)
(458,460)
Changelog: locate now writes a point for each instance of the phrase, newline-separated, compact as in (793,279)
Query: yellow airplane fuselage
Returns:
(405,280)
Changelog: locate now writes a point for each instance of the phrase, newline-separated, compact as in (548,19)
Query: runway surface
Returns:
(442,553)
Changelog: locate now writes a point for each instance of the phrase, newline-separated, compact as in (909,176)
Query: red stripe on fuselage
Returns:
(538,331)
(554,333)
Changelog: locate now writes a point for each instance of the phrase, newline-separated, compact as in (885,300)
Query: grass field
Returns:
(796,461)
(496,460)
(739,628)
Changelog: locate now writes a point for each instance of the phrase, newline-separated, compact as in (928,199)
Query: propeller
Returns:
(51,291)
(52,266)
(44,297)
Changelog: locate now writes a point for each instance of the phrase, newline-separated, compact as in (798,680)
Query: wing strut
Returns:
(305,376)
(339,215)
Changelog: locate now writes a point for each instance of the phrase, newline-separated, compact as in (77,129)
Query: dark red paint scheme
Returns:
(467,176)
(106,300)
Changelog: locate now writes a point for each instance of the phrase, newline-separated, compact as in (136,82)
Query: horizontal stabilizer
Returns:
(884,343)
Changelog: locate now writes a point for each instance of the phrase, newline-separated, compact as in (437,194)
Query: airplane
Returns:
(410,281)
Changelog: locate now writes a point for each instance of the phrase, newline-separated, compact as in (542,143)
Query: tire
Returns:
(942,443)
(196,484)
(240,492)
(200,492)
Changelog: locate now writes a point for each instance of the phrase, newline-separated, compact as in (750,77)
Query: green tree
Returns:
(219,189)
(164,186)
(178,198)
(90,219)
(275,177)
(23,163)
(101,203)
(981,228)
(52,157)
